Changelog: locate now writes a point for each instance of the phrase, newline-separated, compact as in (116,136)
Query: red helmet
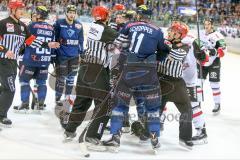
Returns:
(13,4)
(181,28)
(100,13)
(119,7)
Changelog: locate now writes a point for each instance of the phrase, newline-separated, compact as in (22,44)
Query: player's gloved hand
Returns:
(220,52)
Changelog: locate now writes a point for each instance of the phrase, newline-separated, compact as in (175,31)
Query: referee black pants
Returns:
(174,90)
(92,84)
(8,72)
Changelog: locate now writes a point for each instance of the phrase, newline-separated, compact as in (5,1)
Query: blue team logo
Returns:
(70,32)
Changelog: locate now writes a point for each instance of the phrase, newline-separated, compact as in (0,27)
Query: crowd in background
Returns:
(226,13)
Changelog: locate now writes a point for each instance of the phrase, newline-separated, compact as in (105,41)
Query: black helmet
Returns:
(71,8)
(42,11)
(144,10)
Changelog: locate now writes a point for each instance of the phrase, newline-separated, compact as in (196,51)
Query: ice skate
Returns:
(155,143)
(186,144)
(23,108)
(69,136)
(95,144)
(113,143)
(216,109)
(5,122)
(200,137)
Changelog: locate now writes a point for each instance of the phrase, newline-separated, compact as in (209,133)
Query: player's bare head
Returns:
(100,13)
(17,8)
(41,13)
(208,25)
(71,12)
(177,31)
(144,13)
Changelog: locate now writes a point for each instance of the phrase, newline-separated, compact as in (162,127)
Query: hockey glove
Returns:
(220,52)
(137,128)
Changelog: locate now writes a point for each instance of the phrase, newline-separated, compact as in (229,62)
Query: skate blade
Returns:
(5,125)
(155,151)
(98,148)
(24,111)
(67,140)
(200,142)
(189,148)
(37,112)
(145,143)
(125,129)
(216,113)
(113,149)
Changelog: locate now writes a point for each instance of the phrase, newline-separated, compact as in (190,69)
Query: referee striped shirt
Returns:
(13,36)
(173,65)
(98,36)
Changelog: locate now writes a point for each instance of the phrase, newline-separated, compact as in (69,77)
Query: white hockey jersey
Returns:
(209,41)
(190,74)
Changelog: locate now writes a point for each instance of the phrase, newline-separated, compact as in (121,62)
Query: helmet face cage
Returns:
(42,11)
(100,13)
(71,8)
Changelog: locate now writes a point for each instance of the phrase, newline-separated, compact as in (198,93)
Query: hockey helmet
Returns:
(180,28)
(119,7)
(71,8)
(100,13)
(42,11)
(144,10)
(14,4)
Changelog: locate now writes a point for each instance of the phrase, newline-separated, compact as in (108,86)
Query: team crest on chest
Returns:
(70,32)
(10,27)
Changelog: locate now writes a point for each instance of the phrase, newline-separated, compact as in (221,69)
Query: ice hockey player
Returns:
(69,33)
(93,81)
(12,28)
(214,42)
(138,78)
(20,59)
(170,72)
(36,61)
(122,17)
(194,58)
(118,9)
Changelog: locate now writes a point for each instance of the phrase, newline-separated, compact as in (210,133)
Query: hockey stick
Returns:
(82,137)
(199,41)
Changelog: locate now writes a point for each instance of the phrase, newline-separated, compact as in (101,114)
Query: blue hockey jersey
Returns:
(70,37)
(144,38)
(39,57)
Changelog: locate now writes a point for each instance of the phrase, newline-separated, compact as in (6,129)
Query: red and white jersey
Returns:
(209,41)
(190,74)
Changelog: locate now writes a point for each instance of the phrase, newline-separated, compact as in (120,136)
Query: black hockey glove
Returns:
(137,128)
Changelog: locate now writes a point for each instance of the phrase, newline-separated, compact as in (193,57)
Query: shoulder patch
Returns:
(10,27)
(78,26)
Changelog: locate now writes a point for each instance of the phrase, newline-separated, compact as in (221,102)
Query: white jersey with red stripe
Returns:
(190,74)
(209,41)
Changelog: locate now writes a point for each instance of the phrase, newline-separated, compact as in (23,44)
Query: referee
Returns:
(93,81)
(170,72)
(13,36)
